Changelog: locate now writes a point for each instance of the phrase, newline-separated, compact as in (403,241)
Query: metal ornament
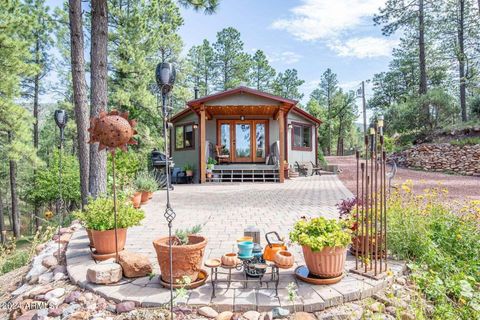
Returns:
(61,119)
(113,130)
(370,247)
(165,75)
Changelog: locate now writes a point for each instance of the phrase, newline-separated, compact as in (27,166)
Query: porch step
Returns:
(245,175)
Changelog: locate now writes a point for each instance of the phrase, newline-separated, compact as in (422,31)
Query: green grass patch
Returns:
(466,141)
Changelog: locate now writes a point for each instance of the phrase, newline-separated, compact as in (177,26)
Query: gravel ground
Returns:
(461,188)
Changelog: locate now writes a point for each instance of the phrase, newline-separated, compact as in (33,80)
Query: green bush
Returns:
(442,246)
(319,233)
(99,214)
(127,165)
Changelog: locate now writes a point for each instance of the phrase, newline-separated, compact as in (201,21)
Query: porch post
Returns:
(281,129)
(203,162)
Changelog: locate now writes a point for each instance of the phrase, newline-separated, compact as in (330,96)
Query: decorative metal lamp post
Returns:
(61,119)
(165,76)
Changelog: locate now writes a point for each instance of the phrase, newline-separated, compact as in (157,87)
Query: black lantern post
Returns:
(165,76)
(61,118)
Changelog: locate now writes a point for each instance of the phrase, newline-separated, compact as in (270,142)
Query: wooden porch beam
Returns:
(281,129)
(203,161)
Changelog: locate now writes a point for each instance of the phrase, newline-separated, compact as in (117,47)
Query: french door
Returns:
(243,140)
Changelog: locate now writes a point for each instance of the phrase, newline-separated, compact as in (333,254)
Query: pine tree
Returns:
(261,73)
(232,64)
(287,85)
(201,60)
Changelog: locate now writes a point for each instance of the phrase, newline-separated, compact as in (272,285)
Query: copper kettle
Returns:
(273,246)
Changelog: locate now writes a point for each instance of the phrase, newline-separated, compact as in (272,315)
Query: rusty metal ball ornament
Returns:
(112,130)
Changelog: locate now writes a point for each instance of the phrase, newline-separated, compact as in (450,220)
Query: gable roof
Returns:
(306,115)
(241,89)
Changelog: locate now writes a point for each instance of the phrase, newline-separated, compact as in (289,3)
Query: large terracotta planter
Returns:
(137,199)
(187,259)
(104,241)
(327,263)
(146,196)
(89,234)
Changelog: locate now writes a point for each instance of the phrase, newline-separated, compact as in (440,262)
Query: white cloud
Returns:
(285,57)
(366,47)
(325,19)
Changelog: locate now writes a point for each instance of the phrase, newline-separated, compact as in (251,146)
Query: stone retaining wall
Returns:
(443,157)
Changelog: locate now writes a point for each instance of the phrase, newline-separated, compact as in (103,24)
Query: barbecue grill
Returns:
(159,164)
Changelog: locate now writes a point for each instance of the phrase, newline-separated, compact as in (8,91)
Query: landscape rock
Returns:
(279,312)
(40,247)
(226,315)
(33,280)
(55,293)
(251,315)
(350,311)
(59,269)
(45,278)
(134,264)
(79,315)
(125,306)
(391,310)
(207,312)
(70,310)
(65,238)
(54,301)
(49,262)
(38,291)
(104,273)
(266,316)
(41,314)
(59,276)
(29,315)
(73,296)
(304,316)
(407,316)
(376,307)
(54,312)
(21,290)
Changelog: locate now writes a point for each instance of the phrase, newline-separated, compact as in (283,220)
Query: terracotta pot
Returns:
(284,259)
(358,244)
(89,234)
(146,195)
(327,263)
(104,241)
(229,259)
(189,173)
(137,199)
(187,259)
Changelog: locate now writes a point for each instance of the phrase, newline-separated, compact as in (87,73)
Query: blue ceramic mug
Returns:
(245,248)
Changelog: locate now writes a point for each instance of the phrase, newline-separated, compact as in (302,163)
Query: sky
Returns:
(308,35)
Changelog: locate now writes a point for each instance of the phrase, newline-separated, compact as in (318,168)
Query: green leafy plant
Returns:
(182,234)
(319,233)
(99,214)
(211,163)
(181,292)
(146,182)
(188,167)
(292,293)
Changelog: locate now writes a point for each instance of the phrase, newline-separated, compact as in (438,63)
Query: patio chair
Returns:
(178,176)
(302,168)
(220,156)
(315,169)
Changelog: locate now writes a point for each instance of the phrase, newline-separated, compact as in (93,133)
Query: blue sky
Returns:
(308,35)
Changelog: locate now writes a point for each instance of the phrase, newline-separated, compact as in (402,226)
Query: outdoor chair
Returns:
(315,169)
(220,156)
(178,176)
(302,168)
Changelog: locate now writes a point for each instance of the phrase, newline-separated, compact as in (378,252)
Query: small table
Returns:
(245,264)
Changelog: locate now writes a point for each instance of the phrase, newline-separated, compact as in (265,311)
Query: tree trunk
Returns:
(339,140)
(421,57)
(36,92)
(98,93)
(13,193)
(79,93)
(3,232)
(461,60)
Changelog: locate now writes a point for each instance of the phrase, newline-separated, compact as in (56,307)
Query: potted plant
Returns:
(82,217)
(146,184)
(188,168)
(188,249)
(210,165)
(98,217)
(324,243)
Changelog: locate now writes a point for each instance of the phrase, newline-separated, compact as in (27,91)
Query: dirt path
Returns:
(461,188)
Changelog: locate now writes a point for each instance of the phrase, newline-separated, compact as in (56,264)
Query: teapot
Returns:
(273,246)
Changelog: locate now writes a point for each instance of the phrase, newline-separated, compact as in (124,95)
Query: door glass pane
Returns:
(225,138)
(260,140)
(297,136)
(242,140)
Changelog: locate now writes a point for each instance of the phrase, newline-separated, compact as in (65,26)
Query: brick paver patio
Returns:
(225,210)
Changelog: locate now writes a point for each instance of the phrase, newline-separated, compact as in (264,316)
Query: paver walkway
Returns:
(225,210)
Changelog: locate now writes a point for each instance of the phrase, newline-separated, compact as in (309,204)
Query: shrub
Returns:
(442,245)
(99,214)
(145,181)
(466,141)
(319,233)
(188,167)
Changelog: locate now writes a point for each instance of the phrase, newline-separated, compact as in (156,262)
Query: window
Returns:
(184,137)
(301,137)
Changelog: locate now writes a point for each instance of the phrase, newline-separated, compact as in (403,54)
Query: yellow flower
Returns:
(389,273)
(459,236)
(48,214)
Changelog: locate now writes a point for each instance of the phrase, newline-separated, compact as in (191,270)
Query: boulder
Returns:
(304,316)
(226,315)
(49,262)
(45,278)
(207,312)
(251,315)
(104,273)
(79,315)
(125,306)
(134,264)
(278,312)
(55,293)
